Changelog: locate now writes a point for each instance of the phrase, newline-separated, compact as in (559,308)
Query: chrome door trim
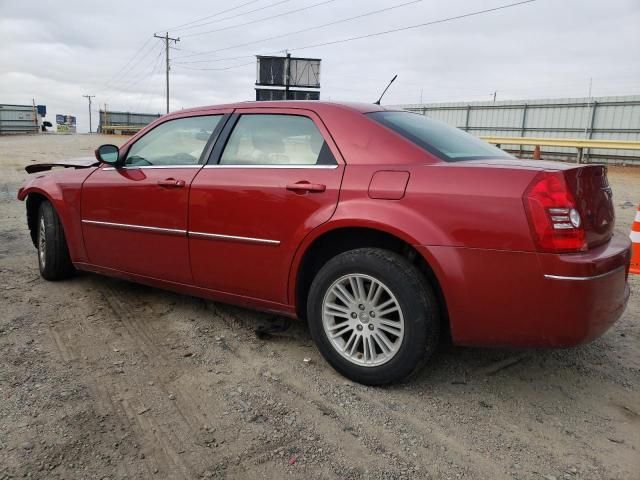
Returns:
(593,277)
(175,231)
(139,228)
(233,238)
(151,167)
(330,167)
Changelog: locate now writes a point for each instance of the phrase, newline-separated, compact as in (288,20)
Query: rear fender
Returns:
(390,217)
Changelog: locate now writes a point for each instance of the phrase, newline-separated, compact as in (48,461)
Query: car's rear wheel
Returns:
(53,254)
(373,316)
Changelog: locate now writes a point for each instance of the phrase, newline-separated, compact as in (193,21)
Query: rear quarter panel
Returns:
(444,205)
(446,209)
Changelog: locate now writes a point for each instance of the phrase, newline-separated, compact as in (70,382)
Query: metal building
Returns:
(124,122)
(20,119)
(598,118)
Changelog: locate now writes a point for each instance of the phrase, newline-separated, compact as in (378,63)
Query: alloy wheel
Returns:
(42,243)
(363,320)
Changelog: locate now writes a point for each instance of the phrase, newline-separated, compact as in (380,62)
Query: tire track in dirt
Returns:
(64,350)
(303,395)
(328,423)
(184,401)
(122,307)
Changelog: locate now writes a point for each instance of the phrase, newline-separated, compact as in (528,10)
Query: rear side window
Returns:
(448,143)
(265,139)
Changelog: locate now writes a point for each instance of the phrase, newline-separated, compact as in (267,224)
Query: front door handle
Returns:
(171,183)
(304,186)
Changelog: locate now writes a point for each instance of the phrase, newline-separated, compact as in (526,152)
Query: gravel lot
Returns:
(100,378)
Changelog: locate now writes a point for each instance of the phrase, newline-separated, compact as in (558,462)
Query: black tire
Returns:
(416,300)
(53,254)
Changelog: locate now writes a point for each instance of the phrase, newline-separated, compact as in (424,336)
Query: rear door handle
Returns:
(304,186)
(171,183)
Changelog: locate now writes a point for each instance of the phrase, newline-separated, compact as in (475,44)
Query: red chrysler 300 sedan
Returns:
(382,228)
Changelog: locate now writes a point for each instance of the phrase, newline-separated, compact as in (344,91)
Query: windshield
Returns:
(448,143)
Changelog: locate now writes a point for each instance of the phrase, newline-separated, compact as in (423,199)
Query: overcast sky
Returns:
(57,51)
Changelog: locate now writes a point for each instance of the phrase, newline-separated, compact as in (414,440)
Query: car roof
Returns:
(313,105)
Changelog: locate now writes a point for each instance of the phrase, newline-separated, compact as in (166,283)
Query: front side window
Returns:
(265,139)
(449,143)
(176,142)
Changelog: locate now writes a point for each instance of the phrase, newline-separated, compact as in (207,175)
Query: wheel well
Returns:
(341,240)
(33,207)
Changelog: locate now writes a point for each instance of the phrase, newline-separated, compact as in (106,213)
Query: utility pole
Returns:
(287,75)
(166,38)
(89,97)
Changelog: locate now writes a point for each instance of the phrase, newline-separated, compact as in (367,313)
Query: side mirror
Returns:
(108,154)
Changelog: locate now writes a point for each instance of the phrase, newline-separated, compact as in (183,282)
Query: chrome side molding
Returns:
(217,165)
(233,238)
(139,228)
(582,279)
(174,231)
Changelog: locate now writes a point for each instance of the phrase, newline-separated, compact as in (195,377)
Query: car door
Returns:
(273,176)
(134,217)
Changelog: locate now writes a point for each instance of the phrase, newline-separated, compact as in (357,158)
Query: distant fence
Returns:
(598,118)
(124,123)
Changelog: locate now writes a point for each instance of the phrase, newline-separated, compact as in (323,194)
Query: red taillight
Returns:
(555,222)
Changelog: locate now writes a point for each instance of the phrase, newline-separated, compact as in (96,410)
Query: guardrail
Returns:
(120,128)
(578,143)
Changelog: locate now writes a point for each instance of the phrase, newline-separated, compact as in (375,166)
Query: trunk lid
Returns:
(594,201)
(588,184)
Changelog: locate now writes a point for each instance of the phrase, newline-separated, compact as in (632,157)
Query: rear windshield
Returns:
(449,143)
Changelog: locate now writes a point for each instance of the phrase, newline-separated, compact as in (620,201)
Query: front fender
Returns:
(63,190)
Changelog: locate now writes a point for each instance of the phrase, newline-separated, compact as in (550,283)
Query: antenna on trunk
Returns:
(385,90)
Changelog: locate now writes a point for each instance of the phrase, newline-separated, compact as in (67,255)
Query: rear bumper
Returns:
(500,298)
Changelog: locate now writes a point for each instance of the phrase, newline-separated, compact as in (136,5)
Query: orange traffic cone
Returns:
(635,240)
(536,153)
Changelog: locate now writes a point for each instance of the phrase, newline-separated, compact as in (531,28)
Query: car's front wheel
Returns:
(53,254)
(373,316)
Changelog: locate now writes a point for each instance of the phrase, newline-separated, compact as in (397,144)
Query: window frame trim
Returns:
(213,160)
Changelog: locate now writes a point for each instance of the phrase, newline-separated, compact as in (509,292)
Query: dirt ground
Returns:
(100,378)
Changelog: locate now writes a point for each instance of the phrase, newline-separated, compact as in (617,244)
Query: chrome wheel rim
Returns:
(42,243)
(363,320)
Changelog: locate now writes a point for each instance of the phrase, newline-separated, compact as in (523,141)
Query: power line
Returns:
(288,12)
(147,86)
(220,68)
(147,104)
(221,59)
(235,16)
(130,65)
(305,30)
(420,25)
(128,62)
(156,62)
(130,82)
(124,79)
(386,32)
(180,27)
